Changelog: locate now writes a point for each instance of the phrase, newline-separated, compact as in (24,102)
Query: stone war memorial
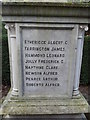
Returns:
(45,39)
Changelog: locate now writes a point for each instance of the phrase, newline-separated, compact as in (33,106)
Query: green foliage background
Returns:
(85,70)
(5,60)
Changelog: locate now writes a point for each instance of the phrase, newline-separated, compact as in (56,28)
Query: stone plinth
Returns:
(17,106)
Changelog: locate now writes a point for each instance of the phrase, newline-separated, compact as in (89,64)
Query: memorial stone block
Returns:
(45,41)
(47,59)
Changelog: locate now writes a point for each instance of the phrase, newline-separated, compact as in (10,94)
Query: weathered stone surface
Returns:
(47,14)
(65,12)
(30,106)
(48,53)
